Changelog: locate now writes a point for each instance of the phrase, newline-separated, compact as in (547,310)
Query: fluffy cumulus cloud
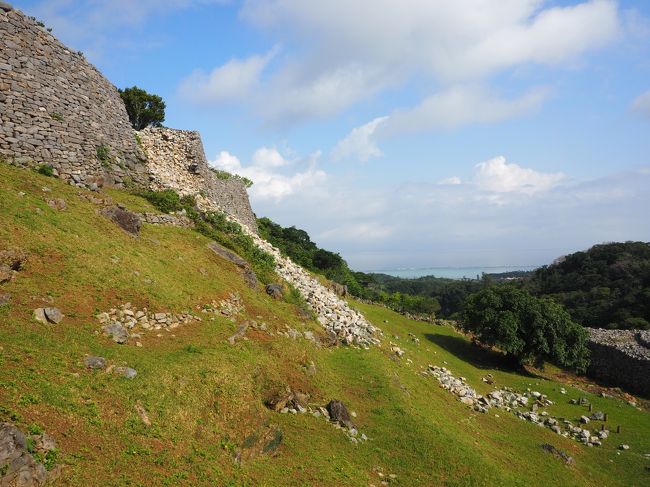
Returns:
(496,175)
(274,177)
(231,82)
(641,104)
(339,52)
(360,143)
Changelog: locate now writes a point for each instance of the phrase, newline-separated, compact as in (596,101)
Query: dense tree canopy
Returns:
(144,109)
(607,286)
(526,328)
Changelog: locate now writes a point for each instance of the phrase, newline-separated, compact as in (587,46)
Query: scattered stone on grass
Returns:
(558,453)
(95,363)
(513,402)
(275,291)
(48,315)
(117,332)
(53,315)
(4,299)
(125,219)
(142,412)
(239,334)
(126,372)
(57,204)
(339,413)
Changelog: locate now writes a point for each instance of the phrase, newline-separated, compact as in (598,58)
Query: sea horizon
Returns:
(452,272)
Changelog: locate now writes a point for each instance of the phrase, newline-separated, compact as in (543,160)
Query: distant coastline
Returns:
(453,272)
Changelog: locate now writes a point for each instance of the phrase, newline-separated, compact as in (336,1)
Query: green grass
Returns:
(205,397)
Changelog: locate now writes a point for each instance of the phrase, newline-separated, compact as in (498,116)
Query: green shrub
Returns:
(225,175)
(45,170)
(166,201)
(104,155)
(56,116)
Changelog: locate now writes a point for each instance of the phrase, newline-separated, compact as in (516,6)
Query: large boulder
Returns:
(125,219)
(117,332)
(249,274)
(339,413)
(275,291)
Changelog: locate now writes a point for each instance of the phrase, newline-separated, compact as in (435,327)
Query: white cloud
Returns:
(269,184)
(233,81)
(460,106)
(266,157)
(345,52)
(641,104)
(429,224)
(454,180)
(360,143)
(497,176)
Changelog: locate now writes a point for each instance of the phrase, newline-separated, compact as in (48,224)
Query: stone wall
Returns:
(57,109)
(176,160)
(621,358)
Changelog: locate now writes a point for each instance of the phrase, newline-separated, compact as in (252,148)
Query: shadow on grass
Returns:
(479,357)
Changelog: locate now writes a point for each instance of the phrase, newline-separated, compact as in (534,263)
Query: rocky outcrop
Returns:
(621,358)
(176,160)
(57,109)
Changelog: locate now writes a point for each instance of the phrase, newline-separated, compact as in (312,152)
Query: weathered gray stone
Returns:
(95,363)
(22,470)
(39,315)
(6,274)
(53,315)
(126,372)
(125,219)
(227,254)
(57,204)
(275,291)
(339,413)
(117,332)
(4,6)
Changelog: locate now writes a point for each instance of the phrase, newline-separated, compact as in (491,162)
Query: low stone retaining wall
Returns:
(621,358)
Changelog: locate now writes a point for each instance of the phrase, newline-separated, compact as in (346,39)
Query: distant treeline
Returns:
(427,295)
(607,286)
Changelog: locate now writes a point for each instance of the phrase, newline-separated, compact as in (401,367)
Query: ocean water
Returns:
(453,272)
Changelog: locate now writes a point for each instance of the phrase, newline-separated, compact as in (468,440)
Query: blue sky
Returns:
(403,134)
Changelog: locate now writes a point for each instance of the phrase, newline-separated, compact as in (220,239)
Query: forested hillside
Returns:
(607,286)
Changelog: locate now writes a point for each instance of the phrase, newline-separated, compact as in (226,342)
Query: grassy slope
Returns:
(204,404)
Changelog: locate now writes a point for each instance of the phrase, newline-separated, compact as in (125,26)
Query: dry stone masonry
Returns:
(176,160)
(621,357)
(57,109)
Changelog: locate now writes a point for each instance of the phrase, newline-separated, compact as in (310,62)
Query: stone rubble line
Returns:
(511,401)
(334,314)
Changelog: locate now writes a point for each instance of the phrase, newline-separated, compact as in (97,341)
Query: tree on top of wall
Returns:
(144,109)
